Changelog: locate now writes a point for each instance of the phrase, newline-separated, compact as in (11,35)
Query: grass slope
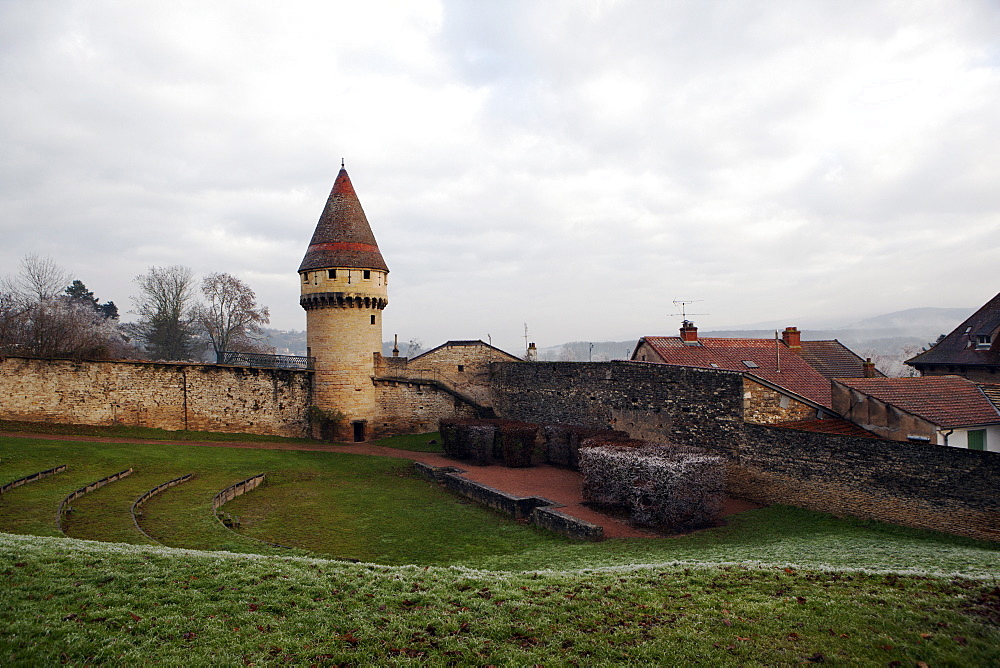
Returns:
(774,586)
(83,602)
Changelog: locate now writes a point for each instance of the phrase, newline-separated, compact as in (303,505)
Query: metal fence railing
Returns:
(265,360)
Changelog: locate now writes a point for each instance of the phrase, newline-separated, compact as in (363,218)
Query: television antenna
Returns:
(526,336)
(682,304)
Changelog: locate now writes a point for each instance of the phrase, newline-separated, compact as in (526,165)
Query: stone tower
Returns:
(344,289)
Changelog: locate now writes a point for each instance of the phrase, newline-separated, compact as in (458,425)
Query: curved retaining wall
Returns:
(151,493)
(239,489)
(32,478)
(537,510)
(86,490)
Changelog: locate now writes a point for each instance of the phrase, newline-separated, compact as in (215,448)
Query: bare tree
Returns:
(38,280)
(230,316)
(37,321)
(166,308)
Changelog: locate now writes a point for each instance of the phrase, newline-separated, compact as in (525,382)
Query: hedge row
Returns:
(670,487)
(520,444)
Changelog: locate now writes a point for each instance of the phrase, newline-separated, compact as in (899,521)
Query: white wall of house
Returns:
(960,437)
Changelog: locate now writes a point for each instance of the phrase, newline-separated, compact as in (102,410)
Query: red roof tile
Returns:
(827,426)
(774,362)
(833,359)
(947,401)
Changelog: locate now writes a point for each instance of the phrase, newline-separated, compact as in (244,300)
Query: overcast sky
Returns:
(571,165)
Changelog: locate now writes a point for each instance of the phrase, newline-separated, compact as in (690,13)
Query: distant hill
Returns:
(889,334)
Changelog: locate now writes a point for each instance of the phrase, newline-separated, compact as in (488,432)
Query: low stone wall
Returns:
(537,510)
(913,484)
(32,478)
(86,490)
(151,493)
(547,517)
(239,489)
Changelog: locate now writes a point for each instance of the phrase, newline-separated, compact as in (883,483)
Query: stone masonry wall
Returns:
(147,394)
(763,405)
(913,484)
(464,366)
(654,402)
(411,407)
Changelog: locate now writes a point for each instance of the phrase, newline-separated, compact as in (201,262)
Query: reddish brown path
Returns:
(563,486)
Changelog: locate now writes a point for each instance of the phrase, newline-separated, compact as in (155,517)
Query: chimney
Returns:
(689,333)
(395,345)
(792,337)
(869,368)
(532,354)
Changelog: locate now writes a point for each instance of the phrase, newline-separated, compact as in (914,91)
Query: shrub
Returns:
(562,442)
(516,443)
(674,488)
(328,421)
(470,440)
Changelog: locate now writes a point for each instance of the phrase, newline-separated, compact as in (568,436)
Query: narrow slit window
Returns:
(373,320)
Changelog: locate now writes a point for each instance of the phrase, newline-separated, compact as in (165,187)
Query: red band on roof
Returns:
(345,245)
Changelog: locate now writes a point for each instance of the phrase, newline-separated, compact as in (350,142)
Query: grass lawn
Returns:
(82,602)
(774,586)
(414,442)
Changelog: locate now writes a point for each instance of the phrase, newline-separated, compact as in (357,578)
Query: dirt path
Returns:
(556,484)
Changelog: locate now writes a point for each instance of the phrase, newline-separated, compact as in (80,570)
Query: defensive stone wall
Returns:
(913,484)
(172,396)
(653,402)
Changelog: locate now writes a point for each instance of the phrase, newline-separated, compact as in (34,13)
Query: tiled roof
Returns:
(827,426)
(954,349)
(343,237)
(833,359)
(947,401)
(795,374)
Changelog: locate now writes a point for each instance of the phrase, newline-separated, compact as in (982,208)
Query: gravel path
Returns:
(557,484)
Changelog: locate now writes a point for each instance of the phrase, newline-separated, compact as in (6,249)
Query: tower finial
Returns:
(341,163)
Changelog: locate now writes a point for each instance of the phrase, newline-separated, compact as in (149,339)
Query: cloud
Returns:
(573,165)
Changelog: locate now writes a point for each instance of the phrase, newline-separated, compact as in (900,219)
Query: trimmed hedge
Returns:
(484,442)
(563,442)
(672,488)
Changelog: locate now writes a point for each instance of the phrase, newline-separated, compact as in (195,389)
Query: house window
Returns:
(977,439)
(367,274)
(750,364)
(305,277)
(373,320)
(983,342)
(461,367)
(331,273)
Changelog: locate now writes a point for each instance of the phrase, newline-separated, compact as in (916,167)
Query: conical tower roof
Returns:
(343,237)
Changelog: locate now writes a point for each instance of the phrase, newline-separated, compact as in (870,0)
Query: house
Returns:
(463,366)
(972,350)
(785,379)
(944,410)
